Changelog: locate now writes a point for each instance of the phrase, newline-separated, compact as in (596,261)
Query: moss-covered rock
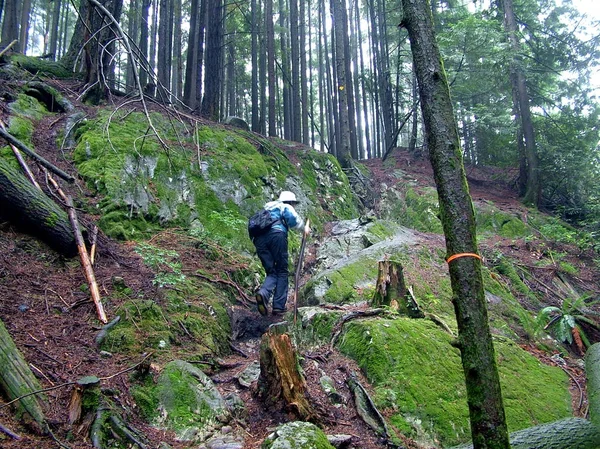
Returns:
(184,400)
(297,435)
(417,375)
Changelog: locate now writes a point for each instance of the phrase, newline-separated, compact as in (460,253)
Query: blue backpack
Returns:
(260,223)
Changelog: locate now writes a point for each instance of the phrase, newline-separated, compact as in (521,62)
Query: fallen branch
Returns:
(337,327)
(83,255)
(21,161)
(8,47)
(43,162)
(9,432)
(245,300)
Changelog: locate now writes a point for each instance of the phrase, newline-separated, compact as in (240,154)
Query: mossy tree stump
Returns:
(391,290)
(280,379)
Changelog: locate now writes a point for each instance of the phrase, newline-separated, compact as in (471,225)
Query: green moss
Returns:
(21,128)
(492,221)
(418,375)
(345,282)
(41,66)
(28,107)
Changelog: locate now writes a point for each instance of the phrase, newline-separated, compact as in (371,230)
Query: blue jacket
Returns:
(287,216)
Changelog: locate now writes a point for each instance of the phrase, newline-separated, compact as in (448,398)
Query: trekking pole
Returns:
(299,269)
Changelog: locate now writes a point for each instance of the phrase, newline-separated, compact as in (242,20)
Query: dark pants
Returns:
(272,249)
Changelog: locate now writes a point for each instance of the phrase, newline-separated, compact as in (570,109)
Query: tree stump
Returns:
(391,290)
(279,378)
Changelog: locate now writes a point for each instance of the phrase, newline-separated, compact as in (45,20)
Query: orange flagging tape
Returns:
(456,256)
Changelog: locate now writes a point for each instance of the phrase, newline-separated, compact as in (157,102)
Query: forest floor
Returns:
(53,321)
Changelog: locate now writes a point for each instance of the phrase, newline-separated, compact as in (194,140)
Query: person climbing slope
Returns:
(272,249)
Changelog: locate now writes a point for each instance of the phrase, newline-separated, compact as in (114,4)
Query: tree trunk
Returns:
(279,376)
(144,44)
(486,410)
(10,25)
(163,67)
(214,60)
(24,28)
(54,34)
(17,380)
(521,96)
(270,37)
(569,433)
(31,210)
(592,370)
(340,28)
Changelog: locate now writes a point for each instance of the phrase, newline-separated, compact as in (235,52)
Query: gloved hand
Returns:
(307,227)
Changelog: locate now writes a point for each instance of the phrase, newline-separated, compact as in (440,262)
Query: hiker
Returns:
(272,249)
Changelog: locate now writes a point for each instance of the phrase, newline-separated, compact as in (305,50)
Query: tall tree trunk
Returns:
(340,28)
(520,94)
(132,30)
(304,85)
(54,34)
(254,113)
(365,109)
(214,60)
(295,114)
(143,46)
(163,67)
(10,25)
(200,49)
(285,71)
(270,32)
(486,410)
(24,28)
(262,71)
(177,51)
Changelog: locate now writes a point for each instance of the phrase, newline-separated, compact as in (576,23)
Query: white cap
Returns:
(287,197)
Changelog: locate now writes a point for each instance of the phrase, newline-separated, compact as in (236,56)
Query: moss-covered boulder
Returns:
(185,401)
(297,435)
(347,260)
(418,377)
(210,177)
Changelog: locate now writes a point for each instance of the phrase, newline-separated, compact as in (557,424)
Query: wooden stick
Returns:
(25,149)
(83,254)
(22,162)
(93,249)
(9,432)
(8,47)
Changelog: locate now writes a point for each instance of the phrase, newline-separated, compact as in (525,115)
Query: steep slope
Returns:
(192,270)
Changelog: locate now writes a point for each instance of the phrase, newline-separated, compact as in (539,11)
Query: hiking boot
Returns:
(261,304)
(278,312)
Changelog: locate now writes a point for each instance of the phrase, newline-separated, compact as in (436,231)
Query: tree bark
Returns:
(214,60)
(521,98)
(31,210)
(17,380)
(279,376)
(340,28)
(486,410)
(592,370)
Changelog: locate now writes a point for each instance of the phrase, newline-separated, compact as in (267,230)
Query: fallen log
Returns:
(592,371)
(569,433)
(17,381)
(33,212)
